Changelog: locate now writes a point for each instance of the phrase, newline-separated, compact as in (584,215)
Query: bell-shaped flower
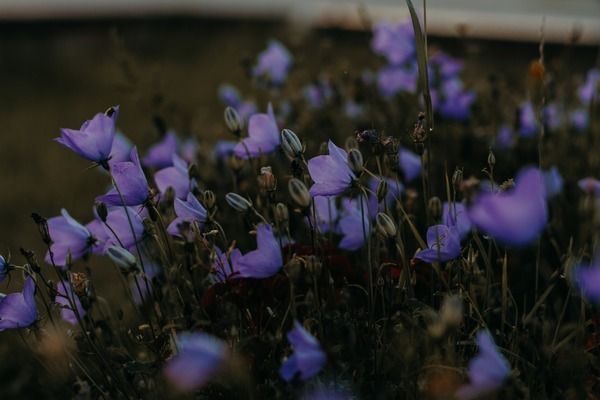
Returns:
(590,186)
(553,182)
(308,357)
(199,358)
(455,102)
(266,260)
(263,136)
(93,141)
(587,279)
(273,63)
(517,216)
(225,264)
(505,138)
(487,370)
(331,173)
(121,149)
(118,228)
(445,65)
(324,213)
(131,182)
(409,163)
(176,176)
(69,302)
(355,224)
(528,125)
(18,310)
(160,155)
(69,238)
(579,119)
(455,215)
(391,80)
(443,244)
(396,42)
(190,211)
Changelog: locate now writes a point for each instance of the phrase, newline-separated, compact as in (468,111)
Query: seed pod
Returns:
(385,225)
(238,202)
(42,224)
(355,160)
(281,213)
(435,207)
(110,111)
(299,192)
(382,190)
(234,122)
(209,199)
(121,257)
(491,158)
(291,144)
(101,211)
(266,180)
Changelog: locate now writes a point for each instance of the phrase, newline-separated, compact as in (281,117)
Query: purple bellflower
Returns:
(223,149)
(200,358)
(391,80)
(589,89)
(552,115)
(446,65)
(590,186)
(93,141)
(118,224)
(190,211)
(580,119)
(455,215)
(410,164)
(487,370)
(18,310)
(273,63)
(331,173)
(266,260)
(326,213)
(394,191)
(456,102)
(263,136)
(515,217)
(587,279)
(66,298)
(131,181)
(69,239)
(527,122)
(505,138)
(553,182)
(443,244)
(121,149)
(175,176)
(308,358)
(229,95)
(160,155)
(225,265)
(396,42)
(355,224)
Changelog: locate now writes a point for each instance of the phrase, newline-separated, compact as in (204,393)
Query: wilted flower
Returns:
(273,63)
(410,164)
(487,371)
(191,211)
(234,122)
(18,310)
(308,358)
(160,155)
(263,136)
(67,299)
(455,214)
(590,186)
(131,183)
(176,177)
(443,244)
(237,202)
(587,278)
(266,260)
(517,216)
(396,42)
(199,359)
(553,182)
(70,239)
(331,173)
(385,225)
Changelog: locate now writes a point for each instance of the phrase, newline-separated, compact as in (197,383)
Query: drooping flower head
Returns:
(199,359)
(176,177)
(266,260)
(455,215)
(487,370)
(69,302)
(515,217)
(263,136)
(273,63)
(190,211)
(93,141)
(308,357)
(18,310)
(131,183)
(396,42)
(160,155)
(587,278)
(69,238)
(443,244)
(331,173)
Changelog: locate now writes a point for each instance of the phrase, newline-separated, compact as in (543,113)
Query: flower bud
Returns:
(382,190)
(238,202)
(101,211)
(491,158)
(209,199)
(355,160)
(234,122)
(42,224)
(110,111)
(435,207)
(385,225)
(122,257)
(299,192)
(291,144)
(266,180)
(281,213)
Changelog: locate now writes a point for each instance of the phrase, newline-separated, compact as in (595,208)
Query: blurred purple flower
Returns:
(140,285)
(175,176)
(160,155)
(410,164)
(487,370)
(587,279)
(326,213)
(263,136)
(394,191)
(590,185)
(331,173)
(455,102)
(18,310)
(199,359)
(515,217)
(553,182)
(443,244)
(308,357)
(118,224)
(552,116)
(396,42)
(266,260)
(131,181)
(121,148)
(352,109)
(229,95)
(223,148)
(589,89)
(580,119)
(446,65)
(191,211)
(93,141)
(355,223)
(66,298)
(189,150)
(528,126)
(273,63)
(317,94)
(392,80)
(69,239)
(455,215)
(505,138)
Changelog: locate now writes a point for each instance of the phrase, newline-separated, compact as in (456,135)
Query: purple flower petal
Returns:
(161,154)
(590,185)
(455,215)
(308,358)
(273,63)
(18,310)
(332,174)
(266,260)
(263,136)
(443,243)
(176,177)
(410,164)
(69,238)
(66,298)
